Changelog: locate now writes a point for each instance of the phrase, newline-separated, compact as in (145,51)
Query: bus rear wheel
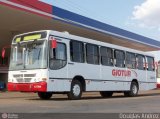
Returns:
(44,95)
(76,90)
(133,90)
(105,94)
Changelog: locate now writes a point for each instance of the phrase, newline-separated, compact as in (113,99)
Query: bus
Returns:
(51,62)
(158,75)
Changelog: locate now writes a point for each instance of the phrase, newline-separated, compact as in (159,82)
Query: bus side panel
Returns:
(59,85)
(115,77)
(99,78)
(151,79)
(142,79)
(89,72)
(104,86)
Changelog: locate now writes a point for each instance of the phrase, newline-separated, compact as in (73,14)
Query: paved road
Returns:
(146,102)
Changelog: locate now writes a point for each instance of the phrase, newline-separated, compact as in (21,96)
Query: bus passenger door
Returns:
(58,66)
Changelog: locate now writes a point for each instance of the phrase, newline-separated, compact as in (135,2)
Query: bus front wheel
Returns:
(44,95)
(76,90)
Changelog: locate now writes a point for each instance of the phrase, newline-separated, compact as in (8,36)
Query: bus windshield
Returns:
(28,55)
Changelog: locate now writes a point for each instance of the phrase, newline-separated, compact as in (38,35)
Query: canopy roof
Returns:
(19,16)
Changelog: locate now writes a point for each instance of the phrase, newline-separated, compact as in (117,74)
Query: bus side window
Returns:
(106,56)
(141,64)
(77,51)
(92,54)
(119,58)
(130,60)
(150,64)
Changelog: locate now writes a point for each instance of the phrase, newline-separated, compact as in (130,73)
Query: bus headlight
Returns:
(9,80)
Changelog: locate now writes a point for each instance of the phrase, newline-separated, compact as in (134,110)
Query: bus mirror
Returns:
(53,43)
(3,52)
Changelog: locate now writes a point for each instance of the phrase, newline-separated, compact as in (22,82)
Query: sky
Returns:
(138,16)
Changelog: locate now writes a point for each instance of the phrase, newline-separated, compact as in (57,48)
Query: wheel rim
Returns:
(76,90)
(134,89)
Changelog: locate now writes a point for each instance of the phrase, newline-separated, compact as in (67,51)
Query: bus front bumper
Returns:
(28,87)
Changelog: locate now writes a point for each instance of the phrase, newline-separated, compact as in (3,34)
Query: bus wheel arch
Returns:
(81,80)
(134,88)
(77,87)
(136,81)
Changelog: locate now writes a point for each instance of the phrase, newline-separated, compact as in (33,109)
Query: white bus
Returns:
(158,75)
(50,62)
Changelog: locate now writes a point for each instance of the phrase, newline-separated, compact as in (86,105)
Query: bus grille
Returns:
(18,75)
(24,78)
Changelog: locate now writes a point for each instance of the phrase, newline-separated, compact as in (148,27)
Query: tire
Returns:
(44,95)
(76,90)
(105,94)
(133,90)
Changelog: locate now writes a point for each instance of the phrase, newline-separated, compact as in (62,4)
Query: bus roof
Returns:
(69,36)
(94,41)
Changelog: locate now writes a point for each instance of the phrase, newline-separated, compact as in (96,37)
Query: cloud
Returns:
(148,14)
